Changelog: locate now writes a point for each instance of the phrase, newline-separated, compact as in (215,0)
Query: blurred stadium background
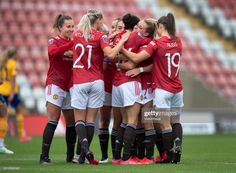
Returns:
(208,65)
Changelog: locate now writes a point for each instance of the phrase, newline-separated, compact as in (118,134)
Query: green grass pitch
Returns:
(201,154)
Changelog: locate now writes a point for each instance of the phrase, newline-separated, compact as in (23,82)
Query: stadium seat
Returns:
(214,13)
(210,80)
(38,93)
(25,91)
(202,69)
(41,106)
(34,79)
(41,66)
(18,40)
(221,82)
(21,80)
(29,103)
(28,66)
(21,16)
(216,69)
(25,29)
(31,40)
(6,41)
(35,53)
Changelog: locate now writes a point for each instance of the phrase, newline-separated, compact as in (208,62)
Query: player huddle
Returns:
(133,67)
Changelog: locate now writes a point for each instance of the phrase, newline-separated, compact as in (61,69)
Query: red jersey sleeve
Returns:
(104,41)
(55,50)
(150,48)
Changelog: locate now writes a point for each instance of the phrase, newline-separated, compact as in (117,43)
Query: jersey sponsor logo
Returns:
(50,41)
(140,34)
(105,39)
(55,96)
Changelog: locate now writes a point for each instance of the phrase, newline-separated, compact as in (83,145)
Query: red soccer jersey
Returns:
(108,76)
(135,41)
(146,78)
(60,66)
(88,57)
(166,53)
(109,71)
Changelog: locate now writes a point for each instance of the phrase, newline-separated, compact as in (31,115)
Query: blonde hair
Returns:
(87,21)
(105,29)
(3,59)
(152,27)
(8,53)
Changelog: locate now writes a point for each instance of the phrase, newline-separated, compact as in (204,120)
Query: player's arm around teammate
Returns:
(90,47)
(105,112)
(166,52)
(147,28)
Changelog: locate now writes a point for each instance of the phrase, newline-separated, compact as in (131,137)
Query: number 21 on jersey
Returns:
(89,47)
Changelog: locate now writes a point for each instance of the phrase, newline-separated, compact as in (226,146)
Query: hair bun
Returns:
(130,21)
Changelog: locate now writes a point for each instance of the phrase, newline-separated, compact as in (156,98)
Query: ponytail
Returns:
(87,21)
(85,26)
(59,21)
(168,22)
(171,24)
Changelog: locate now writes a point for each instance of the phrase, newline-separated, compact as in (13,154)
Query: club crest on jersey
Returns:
(105,39)
(55,96)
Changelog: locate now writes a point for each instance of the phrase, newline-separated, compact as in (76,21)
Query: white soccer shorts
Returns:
(167,100)
(57,96)
(147,95)
(126,94)
(89,95)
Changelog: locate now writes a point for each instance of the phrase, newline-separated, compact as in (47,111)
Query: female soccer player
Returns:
(57,87)
(147,28)
(90,46)
(3,110)
(109,68)
(126,94)
(166,52)
(9,90)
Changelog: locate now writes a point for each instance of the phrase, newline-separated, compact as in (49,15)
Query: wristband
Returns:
(141,69)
